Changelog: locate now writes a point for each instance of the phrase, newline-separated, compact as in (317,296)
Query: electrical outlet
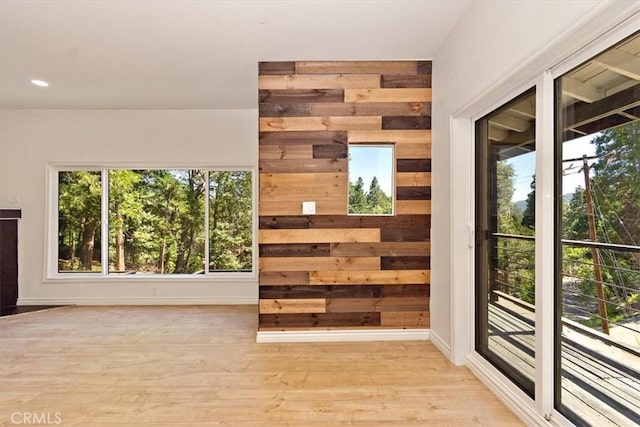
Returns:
(308,208)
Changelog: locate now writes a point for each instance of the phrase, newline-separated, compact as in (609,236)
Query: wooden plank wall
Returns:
(334,270)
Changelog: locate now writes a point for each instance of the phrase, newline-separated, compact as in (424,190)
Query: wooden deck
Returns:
(600,383)
(200,366)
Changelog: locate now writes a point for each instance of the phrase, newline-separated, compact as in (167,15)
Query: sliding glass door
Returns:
(505,225)
(598,239)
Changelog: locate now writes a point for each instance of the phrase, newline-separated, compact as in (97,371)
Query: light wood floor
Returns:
(200,366)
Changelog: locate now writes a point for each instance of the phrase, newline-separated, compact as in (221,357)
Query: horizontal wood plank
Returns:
(413,151)
(323,207)
(413,179)
(282,124)
(281,152)
(387,95)
(302,165)
(406,122)
(397,136)
(318,320)
(383,277)
(303,137)
(332,179)
(283,221)
(405,207)
(300,96)
(326,81)
(283,110)
(316,192)
(319,263)
(424,67)
(318,291)
(282,278)
(413,165)
(405,262)
(295,250)
(405,318)
(390,249)
(396,304)
(413,193)
(405,290)
(325,235)
(371,109)
(330,151)
(279,68)
(405,234)
(356,67)
(416,222)
(307,305)
(405,81)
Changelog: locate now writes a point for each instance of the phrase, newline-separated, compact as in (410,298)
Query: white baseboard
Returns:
(138,301)
(440,344)
(343,335)
(514,398)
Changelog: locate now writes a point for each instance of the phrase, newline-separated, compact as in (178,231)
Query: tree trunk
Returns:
(88,238)
(120,245)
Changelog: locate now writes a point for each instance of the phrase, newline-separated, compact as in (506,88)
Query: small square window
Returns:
(371,179)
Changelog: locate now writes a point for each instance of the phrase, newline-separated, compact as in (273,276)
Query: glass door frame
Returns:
(456,338)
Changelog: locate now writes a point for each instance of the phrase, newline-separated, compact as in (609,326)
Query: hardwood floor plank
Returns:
(200,366)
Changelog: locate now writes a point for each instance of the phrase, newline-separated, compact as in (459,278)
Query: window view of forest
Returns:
(615,193)
(615,189)
(370,174)
(372,201)
(156,221)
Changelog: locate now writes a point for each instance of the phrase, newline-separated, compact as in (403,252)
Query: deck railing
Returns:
(513,276)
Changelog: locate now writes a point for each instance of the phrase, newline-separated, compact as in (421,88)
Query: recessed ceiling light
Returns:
(40,83)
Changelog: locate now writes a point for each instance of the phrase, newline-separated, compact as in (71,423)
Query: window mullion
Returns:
(207,234)
(104,212)
(544,263)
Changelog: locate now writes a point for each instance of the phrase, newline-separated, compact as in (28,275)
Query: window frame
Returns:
(540,73)
(51,273)
(391,145)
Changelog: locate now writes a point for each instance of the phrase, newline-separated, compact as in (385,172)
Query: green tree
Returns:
(529,214)
(377,200)
(125,207)
(616,182)
(230,221)
(79,196)
(357,198)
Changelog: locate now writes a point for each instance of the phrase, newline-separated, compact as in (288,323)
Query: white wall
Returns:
(30,139)
(495,49)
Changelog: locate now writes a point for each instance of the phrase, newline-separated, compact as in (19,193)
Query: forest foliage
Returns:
(373,201)
(615,182)
(156,221)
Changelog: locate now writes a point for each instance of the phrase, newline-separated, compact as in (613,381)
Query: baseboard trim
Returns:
(337,335)
(138,301)
(441,345)
(514,398)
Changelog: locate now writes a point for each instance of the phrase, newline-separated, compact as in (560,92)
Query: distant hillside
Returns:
(521,205)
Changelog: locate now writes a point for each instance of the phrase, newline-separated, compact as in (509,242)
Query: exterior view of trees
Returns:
(374,201)
(615,185)
(156,221)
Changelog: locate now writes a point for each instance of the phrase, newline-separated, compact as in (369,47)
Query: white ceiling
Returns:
(165,54)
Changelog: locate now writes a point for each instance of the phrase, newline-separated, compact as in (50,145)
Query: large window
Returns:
(154,221)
